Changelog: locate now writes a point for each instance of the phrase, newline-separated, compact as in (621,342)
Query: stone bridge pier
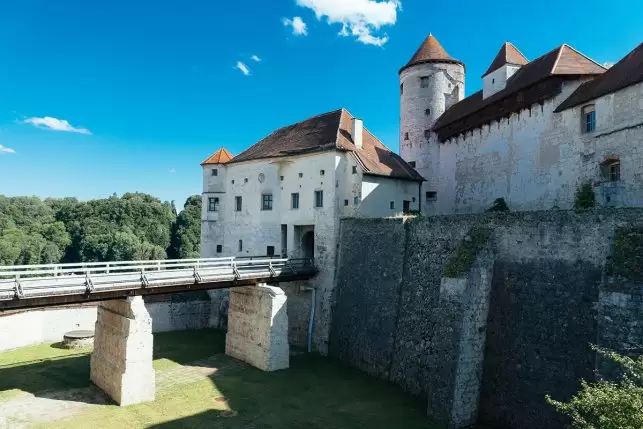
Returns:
(121,364)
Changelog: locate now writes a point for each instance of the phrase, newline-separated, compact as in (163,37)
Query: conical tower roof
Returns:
(431,52)
(219,157)
(508,54)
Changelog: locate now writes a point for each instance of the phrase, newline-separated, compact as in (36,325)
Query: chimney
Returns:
(357,132)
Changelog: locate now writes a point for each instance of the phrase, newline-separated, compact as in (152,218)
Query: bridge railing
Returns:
(32,281)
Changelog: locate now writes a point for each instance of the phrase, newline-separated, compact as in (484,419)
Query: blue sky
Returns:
(148,89)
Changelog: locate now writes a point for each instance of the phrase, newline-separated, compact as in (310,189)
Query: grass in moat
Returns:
(199,386)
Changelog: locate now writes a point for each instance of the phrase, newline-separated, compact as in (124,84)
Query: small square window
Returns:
(392,205)
(427,112)
(301,175)
(281,178)
(240,245)
(412,164)
(266,202)
(319,199)
(237,204)
(424,82)
(431,196)
(232,181)
(294,200)
(406,136)
(215,172)
(427,133)
(322,172)
(355,200)
(213,204)
(245,180)
(354,169)
(345,202)
(219,248)
(270,250)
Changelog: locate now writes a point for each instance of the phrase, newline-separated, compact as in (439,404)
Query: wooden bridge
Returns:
(31,286)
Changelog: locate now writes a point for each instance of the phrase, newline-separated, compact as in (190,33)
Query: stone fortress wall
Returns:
(484,315)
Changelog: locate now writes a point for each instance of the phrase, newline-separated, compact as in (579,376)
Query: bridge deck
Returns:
(30,286)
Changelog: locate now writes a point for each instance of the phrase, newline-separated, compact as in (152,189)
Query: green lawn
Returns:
(313,393)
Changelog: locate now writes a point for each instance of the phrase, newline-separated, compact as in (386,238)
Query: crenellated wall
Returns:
(534,307)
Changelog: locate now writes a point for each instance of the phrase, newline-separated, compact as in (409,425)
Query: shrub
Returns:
(608,404)
(499,205)
(585,197)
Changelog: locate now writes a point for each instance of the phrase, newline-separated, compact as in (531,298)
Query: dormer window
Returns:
(424,82)
(588,118)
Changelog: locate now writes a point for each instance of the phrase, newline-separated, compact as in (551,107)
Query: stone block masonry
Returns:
(503,334)
(121,364)
(258,327)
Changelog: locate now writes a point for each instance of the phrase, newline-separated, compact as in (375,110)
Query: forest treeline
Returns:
(135,226)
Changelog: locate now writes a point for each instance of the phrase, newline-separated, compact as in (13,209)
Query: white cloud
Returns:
(56,124)
(255,58)
(299,27)
(362,19)
(4,149)
(244,68)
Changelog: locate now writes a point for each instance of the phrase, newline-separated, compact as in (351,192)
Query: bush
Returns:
(608,404)
(585,197)
(499,205)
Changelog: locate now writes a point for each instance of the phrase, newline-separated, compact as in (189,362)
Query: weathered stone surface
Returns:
(121,364)
(258,327)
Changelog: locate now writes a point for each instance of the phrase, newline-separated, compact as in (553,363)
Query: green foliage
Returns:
(627,258)
(466,252)
(186,234)
(585,197)
(135,226)
(499,205)
(608,404)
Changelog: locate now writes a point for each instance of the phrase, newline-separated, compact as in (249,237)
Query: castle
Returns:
(535,132)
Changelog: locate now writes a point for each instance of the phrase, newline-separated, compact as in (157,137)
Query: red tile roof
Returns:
(508,54)
(430,51)
(326,132)
(627,72)
(221,156)
(534,82)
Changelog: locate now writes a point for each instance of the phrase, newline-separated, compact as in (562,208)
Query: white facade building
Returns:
(286,194)
(534,133)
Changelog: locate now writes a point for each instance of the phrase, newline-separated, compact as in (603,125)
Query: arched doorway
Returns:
(308,244)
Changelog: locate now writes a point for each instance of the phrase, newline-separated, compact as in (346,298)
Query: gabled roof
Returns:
(221,156)
(326,132)
(430,51)
(508,54)
(475,111)
(627,72)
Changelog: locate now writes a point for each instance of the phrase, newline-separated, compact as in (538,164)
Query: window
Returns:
(266,202)
(240,245)
(345,202)
(406,206)
(270,250)
(431,196)
(322,172)
(301,175)
(392,205)
(427,133)
(589,119)
(355,200)
(319,198)
(612,170)
(406,136)
(427,112)
(281,178)
(354,169)
(215,172)
(412,164)
(237,203)
(213,204)
(424,82)
(219,248)
(233,181)
(401,88)
(245,180)
(493,80)
(294,201)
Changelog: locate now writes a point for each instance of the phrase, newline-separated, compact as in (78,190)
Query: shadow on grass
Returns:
(55,372)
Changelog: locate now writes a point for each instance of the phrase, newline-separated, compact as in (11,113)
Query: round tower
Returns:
(431,82)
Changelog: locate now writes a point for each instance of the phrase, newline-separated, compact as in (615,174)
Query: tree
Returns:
(585,197)
(499,205)
(186,234)
(608,404)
